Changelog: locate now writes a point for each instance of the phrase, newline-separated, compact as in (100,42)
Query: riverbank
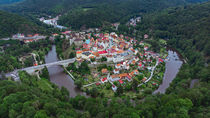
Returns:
(172,68)
(59,77)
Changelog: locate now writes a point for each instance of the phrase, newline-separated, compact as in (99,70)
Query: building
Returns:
(114,88)
(104,80)
(114,78)
(116,71)
(78,42)
(104,71)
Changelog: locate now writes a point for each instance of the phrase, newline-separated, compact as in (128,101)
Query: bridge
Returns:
(34,69)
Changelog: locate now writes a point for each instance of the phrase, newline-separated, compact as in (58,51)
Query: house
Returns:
(79,54)
(97,84)
(160,60)
(123,75)
(114,78)
(120,81)
(116,71)
(118,66)
(114,88)
(136,59)
(146,48)
(86,55)
(78,42)
(104,71)
(149,68)
(129,78)
(104,52)
(146,36)
(118,59)
(28,40)
(109,58)
(96,54)
(104,80)
(140,65)
(144,79)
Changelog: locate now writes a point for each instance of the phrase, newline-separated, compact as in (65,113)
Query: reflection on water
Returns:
(58,76)
(172,68)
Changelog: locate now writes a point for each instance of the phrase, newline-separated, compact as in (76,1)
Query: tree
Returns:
(72,55)
(103,59)
(50,108)
(78,83)
(120,90)
(45,73)
(84,69)
(135,84)
(40,114)
(3,76)
(93,59)
(94,92)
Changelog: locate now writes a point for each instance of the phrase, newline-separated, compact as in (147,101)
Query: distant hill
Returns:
(92,13)
(9,1)
(13,23)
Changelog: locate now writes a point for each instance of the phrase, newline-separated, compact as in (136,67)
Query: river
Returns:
(172,68)
(58,77)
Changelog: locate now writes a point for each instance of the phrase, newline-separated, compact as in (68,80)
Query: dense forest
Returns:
(12,23)
(13,50)
(39,98)
(96,15)
(9,1)
(92,13)
(186,28)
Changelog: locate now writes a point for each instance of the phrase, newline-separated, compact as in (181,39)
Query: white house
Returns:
(118,66)
(116,71)
(114,88)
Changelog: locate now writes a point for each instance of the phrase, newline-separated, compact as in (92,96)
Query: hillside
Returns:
(187,29)
(39,98)
(92,13)
(13,23)
(95,15)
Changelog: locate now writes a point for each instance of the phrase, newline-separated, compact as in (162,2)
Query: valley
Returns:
(105,58)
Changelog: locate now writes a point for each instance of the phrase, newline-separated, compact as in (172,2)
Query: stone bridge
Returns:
(34,69)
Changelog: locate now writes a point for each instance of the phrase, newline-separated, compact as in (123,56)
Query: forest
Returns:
(185,28)
(97,15)
(40,98)
(12,23)
(92,13)
(14,50)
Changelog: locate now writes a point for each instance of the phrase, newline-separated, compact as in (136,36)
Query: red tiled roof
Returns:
(102,52)
(120,81)
(129,77)
(160,60)
(97,84)
(104,79)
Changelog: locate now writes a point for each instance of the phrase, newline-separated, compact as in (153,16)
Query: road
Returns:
(153,69)
(91,84)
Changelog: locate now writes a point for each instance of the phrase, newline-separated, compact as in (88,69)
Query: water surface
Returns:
(57,75)
(172,68)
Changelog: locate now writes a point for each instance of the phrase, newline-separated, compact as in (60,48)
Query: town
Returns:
(115,60)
